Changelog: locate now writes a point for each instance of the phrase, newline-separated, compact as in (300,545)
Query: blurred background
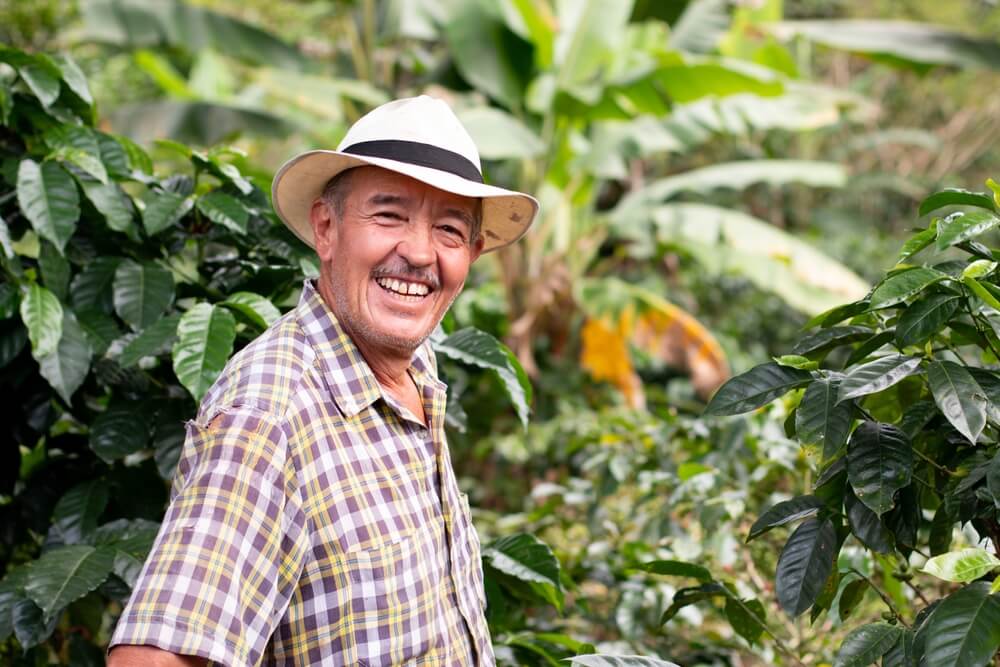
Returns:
(712,174)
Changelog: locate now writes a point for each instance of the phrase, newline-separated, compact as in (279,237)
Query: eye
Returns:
(388,215)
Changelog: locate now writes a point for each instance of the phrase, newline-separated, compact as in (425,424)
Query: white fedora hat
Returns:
(419,137)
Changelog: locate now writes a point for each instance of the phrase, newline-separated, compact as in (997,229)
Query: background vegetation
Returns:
(714,178)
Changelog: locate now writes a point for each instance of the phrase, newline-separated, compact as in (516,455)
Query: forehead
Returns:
(368,182)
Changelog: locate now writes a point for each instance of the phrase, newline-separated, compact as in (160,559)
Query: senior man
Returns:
(315,517)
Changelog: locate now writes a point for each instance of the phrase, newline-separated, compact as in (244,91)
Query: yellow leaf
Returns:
(605,356)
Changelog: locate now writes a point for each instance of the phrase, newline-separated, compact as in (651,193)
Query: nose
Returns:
(417,246)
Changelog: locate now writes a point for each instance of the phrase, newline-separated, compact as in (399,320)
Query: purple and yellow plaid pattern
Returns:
(313,520)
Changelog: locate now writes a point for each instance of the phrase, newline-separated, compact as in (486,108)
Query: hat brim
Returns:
(506,214)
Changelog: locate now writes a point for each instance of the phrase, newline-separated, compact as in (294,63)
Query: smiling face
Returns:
(395,260)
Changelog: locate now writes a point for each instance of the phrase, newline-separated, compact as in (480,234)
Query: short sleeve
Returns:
(231,548)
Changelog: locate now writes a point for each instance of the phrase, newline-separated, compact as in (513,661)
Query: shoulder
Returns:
(265,374)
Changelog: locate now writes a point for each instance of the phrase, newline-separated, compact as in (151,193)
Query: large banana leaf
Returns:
(178,25)
(726,240)
(904,42)
(202,123)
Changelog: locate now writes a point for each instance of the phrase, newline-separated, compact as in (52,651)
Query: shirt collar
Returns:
(348,376)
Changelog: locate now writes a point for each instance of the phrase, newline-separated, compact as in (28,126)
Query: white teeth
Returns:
(403,288)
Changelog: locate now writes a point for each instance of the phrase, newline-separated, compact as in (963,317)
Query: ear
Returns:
(324,229)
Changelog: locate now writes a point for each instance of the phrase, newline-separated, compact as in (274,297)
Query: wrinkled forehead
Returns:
(374,185)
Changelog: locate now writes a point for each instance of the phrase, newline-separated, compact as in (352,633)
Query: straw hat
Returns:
(419,137)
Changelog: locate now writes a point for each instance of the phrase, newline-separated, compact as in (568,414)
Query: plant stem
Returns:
(777,640)
(885,597)
(934,463)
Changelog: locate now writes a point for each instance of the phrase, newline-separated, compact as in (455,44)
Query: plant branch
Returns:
(752,614)
(885,597)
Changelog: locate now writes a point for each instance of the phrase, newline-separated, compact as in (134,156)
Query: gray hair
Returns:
(335,196)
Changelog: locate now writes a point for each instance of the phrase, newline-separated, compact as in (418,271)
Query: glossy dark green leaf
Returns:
(757,387)
(918,242)
(902,285)
(78,146)
(100,329)
(902,654)
(114,156)
(877,375)
(48,198)
(163,209)
(916,417)
(13,338)
(867,526)
(925,317)
(480,349)
(677,568)
(851,597)
(225,210)
(76,513)
(747,618)
(942,530)
(959,227)
(67,366)
(254,307)
(955,197)
(837,314)
(111,202)
(119,431)
(30,625)
(879,463)
(959,397)
(964,630)
(904,520)
(55,270)
(205,336)
(989,382)
(154,340)
(821,420)
(65,574)
(596,660)
(42,315)
(785,512)
(867,644)
(685,597)
(825,339)
(142,292)
(993,479)
(43,81)
(869,347)
(91,288)
(805,564)
(530,560)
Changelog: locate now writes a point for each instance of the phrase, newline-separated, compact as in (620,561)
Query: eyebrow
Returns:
(382,199)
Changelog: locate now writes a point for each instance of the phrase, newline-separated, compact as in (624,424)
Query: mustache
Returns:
(400,268)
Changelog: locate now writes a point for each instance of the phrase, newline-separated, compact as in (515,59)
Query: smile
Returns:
(414,291)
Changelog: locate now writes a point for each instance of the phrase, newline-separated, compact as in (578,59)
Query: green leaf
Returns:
(700,27)
(993,479)
(980,268)
(918,242)
(755,388)
(879,463)
(55,270)
(851,597)
(225,210)
(821,420)
(499,135)
(877,375)
(42,314)
(205,338)
(805,564)
(478,348)
(91,288)
(114,157)
(111,202)
(73,77)
(942,529)
(119,431)
(867,526)
(48,198)
(921,44)
(867,644)
(796,361)
(955,197)
(152,341)
(979,290)
(66,574)
(685,597)
(528,559)
(825,339)
(42,81)
(163,209)
(30,626)
(254,307)
(66,368)
(902,654)
(959,227)
(785,512)
(677,568)
(959,397)
(142,292)
(595,660)
(477,40)
(76,513)
(962,566)
(78,146)
(964,629)
(746,617)
(925,317)
(902,285)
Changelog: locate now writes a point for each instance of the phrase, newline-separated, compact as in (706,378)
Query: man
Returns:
(315,518)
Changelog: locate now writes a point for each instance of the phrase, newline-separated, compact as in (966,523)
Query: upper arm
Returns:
(149,656)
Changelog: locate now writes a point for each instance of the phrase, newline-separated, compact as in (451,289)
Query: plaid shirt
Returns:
(313,519)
